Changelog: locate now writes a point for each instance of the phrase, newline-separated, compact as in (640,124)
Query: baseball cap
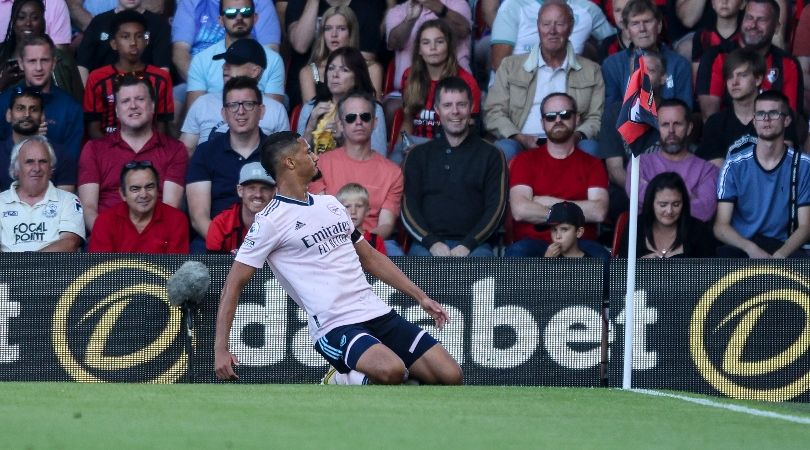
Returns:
(254,172)
(566,212)
(244,51)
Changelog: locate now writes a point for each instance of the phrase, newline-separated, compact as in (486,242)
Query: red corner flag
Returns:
(638,113)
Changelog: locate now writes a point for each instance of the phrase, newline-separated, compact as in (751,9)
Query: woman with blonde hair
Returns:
(339,28)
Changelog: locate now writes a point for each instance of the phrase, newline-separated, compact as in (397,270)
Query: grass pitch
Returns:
(116,416)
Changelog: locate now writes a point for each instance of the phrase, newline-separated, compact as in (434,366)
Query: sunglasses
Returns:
(137,165)
(350,118)
(552,116)
(231,13)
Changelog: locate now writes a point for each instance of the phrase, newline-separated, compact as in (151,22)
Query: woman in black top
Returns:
(665,227)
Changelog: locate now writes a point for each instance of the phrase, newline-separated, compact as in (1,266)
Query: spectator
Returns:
(801,49)
(700,176)
(612,147)
(238,17)
(55,15)
(782,72)
(566,223)
(129,39)
(512,110)
(552,173)
(357,162)
(455,185)
(733,128)
(83,11)
(29,20)
(25,116)
(214,169)
(244,58)
(666,227)
(354,198)
(346,71)
(724,32)
(228,229)
(38,216)
(643,21)
(195,27)
(62,114)
(433,59)
(101,159)
(514,31)
(619,41)
(96,49)
(339,29)
(141,223)
(401,24)
(763,193)
(304,17)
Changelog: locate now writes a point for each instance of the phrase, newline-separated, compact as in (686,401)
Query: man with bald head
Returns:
(512,109)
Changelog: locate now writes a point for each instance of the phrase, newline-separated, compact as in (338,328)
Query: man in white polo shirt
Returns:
(318,257)
(34,214)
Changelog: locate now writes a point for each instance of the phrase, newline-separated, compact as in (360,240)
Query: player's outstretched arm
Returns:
(224,360)
(381,267)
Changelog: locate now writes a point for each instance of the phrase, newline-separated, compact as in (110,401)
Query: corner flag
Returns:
(638,113)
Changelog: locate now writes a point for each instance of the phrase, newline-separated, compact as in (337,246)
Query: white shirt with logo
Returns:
(26,228)
(309,248)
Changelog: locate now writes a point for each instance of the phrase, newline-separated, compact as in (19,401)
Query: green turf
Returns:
(116,416)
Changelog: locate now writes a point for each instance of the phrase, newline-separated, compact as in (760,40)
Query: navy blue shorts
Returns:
(344,345)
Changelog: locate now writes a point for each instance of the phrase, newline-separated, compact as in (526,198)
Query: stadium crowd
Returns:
(446,127)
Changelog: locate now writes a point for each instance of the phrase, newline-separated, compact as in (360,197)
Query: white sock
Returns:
(353,377)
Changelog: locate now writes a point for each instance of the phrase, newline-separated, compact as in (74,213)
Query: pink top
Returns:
(382,178)
(57,19)
(402,58)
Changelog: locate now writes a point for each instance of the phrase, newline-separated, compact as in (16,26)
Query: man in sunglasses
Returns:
(25,114)
(238,17)
(763,193)
(214,169)
(357,162)
(309,242)
(512,108)
(455,185)
(244,58)
(552,173)
(141,223)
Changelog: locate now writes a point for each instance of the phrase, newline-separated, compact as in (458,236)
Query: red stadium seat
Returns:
(618,231)
(296,112)
(396,127)
(388,83)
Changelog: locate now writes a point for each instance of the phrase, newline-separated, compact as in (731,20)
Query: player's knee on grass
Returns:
(389,374)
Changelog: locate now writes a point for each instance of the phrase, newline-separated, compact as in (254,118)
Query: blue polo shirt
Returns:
(63,174)
(678,84)
(217,162)
(65,118)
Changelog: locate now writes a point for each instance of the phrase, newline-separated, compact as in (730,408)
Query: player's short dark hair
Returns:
(675,103)
(451,84)
(136,165)
(636,7)
(362,95)
(774,96)
(740,57)
(276,145)
(557,94)
(126,16)
(133,80)
(242,83)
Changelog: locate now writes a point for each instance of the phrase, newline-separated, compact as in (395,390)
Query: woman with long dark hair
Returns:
(346,71)
(28,19)
(666,228)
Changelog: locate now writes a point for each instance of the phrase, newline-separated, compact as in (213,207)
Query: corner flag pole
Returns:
(629,299)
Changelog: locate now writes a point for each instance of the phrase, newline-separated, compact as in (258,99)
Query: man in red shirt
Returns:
(552,173)
(101,160)
(227,230)
(141,224)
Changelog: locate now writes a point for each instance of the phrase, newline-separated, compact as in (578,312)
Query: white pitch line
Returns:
(729,406)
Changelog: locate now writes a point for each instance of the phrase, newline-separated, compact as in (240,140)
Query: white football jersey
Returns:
(309,248)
